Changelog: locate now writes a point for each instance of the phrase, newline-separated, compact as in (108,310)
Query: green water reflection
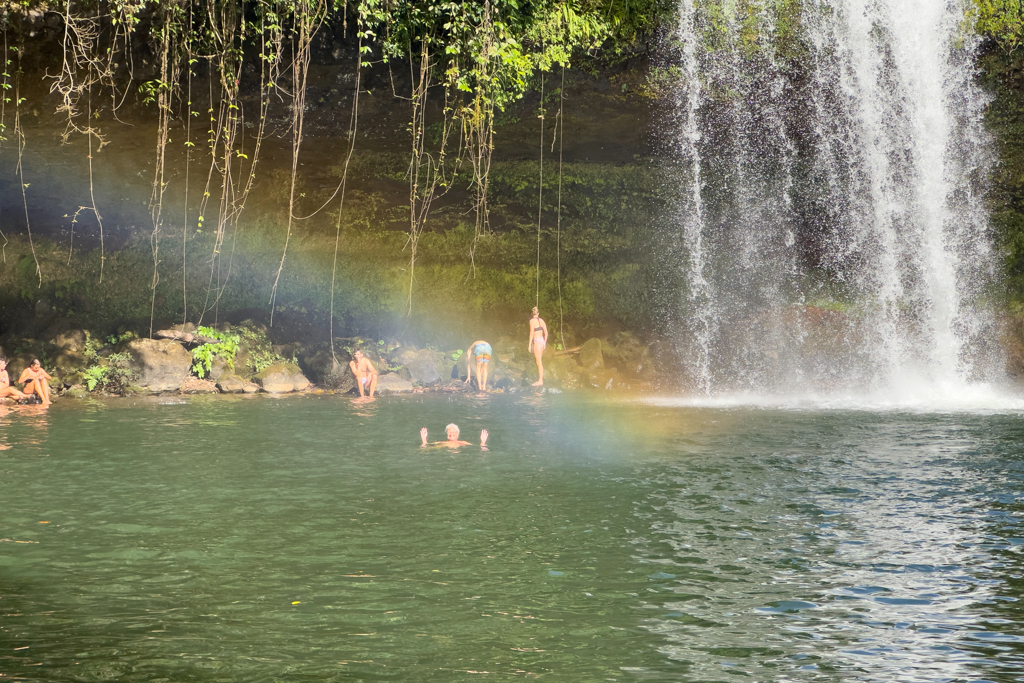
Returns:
(309,538)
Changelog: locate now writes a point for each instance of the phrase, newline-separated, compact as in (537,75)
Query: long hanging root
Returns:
(352,129)
(309,22)
(540,184)
(558,222)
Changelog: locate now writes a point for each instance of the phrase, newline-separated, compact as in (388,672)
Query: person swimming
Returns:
(482,351)
(452,434)
(538,342)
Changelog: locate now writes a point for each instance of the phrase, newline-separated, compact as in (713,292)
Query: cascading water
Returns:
(831,222)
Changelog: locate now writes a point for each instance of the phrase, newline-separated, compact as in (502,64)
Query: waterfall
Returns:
(831,225)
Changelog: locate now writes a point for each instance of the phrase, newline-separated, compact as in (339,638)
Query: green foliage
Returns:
(226,347)
(1004,79)
(111,374)
(1000,20)
(92,348)
(94,375)
(115,339)
(260,353)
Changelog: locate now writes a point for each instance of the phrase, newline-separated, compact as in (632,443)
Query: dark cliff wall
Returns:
(595,258)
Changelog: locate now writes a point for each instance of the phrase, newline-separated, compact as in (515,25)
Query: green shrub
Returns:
(226,347)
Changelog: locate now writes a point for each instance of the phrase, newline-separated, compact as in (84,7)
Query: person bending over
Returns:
(482,351)
(35,378)
(6,390)
(452,434)
(366,374)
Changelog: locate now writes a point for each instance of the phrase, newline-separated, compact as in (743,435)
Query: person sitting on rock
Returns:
(452,432)
(6,390)
(35,378)
(482,351)
(365,373)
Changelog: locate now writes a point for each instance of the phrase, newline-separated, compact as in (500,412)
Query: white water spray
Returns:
(832,222)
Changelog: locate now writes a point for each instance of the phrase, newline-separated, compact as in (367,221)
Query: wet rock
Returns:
(281,378)
(563,369)
(218,368)
(591,357)
(627,353)
(327,370)
(161,364)
(511,373)
(67,363)
(230,383)
(455,386)
(422,366)
(73,378)
(606,379)
(391,383)
(243,362)
(76,391)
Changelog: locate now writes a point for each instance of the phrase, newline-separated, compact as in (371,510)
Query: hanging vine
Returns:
(225,137)
(353,128)
(162,91)
(308,17)
(19,136)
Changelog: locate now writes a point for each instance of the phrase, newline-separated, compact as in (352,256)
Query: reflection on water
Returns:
(255,539)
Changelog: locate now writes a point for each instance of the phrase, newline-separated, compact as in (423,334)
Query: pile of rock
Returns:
(165,363)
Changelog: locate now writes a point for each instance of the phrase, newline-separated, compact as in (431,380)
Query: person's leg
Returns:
(360,384)
(373,385)
(32,387)
(538,352)
(44,390)
(11,392)
(487,369)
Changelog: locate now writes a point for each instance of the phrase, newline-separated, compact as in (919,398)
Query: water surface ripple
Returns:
(309,538)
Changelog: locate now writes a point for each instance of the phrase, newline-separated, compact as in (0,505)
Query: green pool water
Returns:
(311,539)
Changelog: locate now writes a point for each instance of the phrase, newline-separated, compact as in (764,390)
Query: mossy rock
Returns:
(281,378)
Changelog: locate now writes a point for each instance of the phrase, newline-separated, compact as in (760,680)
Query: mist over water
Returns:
(831,225)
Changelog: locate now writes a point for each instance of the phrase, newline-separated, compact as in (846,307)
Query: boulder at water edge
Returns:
(329,371)
(281,378)
(17,363)
(422,366)
(161,364)
(230,383)
(391,383)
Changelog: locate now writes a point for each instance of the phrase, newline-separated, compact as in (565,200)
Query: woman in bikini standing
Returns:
(538,342)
